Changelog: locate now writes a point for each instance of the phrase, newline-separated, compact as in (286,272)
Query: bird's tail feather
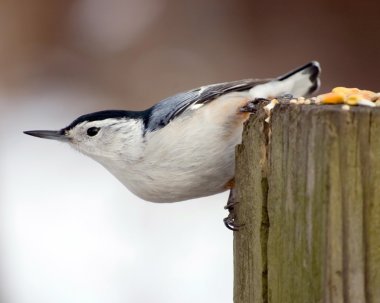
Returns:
(302,81)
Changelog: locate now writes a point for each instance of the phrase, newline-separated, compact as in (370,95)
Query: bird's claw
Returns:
(286,97)
(230,205)
(251,106)
(230,220)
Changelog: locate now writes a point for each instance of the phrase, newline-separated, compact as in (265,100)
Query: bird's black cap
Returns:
(108,114)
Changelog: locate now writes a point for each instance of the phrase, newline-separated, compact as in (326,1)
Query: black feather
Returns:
(107,114)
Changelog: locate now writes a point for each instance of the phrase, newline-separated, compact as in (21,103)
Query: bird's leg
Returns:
(285,98)
(230,220)
(252,106)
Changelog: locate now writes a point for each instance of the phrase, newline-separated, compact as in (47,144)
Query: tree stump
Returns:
(308,187)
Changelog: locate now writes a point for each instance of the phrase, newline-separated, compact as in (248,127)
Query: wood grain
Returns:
(308,184)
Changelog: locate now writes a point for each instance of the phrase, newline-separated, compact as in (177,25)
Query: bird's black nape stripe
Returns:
(108,114)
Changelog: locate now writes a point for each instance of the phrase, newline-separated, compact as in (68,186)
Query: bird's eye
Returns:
(92,131)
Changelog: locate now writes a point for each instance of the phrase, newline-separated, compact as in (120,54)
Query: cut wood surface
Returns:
(308,187)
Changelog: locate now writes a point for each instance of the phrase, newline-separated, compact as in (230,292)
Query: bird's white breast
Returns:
(192,156)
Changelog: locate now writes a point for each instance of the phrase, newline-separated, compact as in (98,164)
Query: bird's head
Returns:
(115,135)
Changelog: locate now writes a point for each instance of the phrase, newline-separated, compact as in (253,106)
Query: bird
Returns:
(183,147)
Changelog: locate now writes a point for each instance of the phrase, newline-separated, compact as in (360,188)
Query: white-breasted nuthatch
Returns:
(184,146)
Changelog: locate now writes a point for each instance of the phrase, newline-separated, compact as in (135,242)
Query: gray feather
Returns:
(302,81)
(166,110)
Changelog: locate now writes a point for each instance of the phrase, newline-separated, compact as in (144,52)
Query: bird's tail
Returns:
(302,81)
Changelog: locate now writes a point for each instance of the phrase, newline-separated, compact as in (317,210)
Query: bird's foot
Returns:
(230,220)
(285,98)
(252,106)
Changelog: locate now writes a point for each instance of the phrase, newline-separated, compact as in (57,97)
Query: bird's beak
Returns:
(48,134)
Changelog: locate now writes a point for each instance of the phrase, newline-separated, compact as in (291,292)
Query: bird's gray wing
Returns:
(168,109)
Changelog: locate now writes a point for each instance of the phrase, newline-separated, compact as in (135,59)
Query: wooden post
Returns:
(308,184)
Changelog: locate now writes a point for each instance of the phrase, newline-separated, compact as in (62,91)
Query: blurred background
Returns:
(69,231)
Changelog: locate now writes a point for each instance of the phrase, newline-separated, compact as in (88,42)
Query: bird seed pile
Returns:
(339,95)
